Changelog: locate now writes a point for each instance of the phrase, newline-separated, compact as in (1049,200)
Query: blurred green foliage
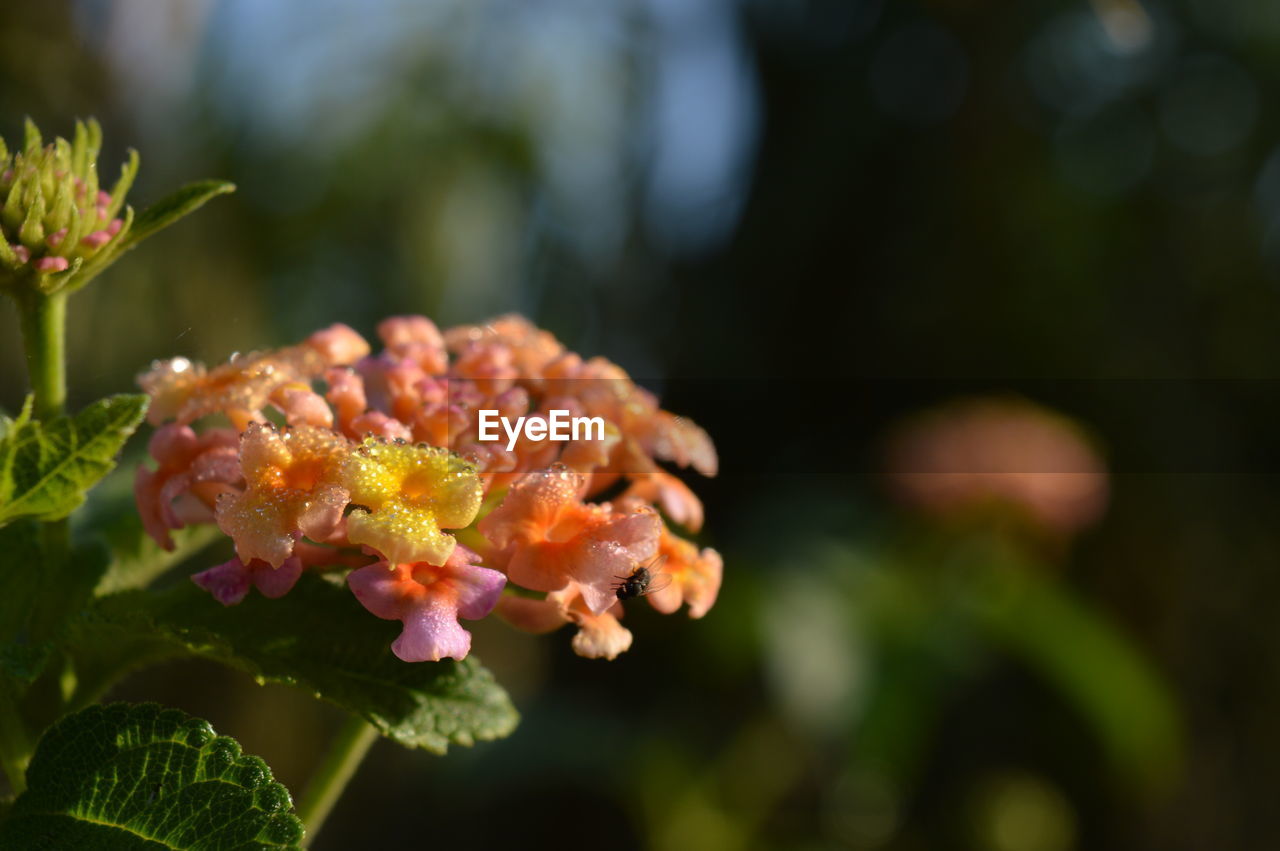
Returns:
(1077,201)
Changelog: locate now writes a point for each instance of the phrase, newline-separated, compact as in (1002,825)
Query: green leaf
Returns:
(36,601)
(7,255)
(1079,651)
(22,657)
(46,468)
(32,143)
(124,777)
(137,560)
(320,639)
(21,576)
(22,663)
(55,281)
(127,173)
(168,210)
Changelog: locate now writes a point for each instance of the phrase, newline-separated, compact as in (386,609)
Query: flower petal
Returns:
(401,534)
(432,632)
(531,614)
(429,600)
(695,577)
(302,406)
(702,585)
(674,497)
(479,592)
(599,636)
(290,491)
(533,506)
(387,591)
(411,493)
(339,344)
(274,582)
(228,582)
(262,523)
(416,338)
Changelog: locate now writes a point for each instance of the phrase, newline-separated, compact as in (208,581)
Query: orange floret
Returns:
(671,495)
(292,490)
(695,577)
(552,538)
(599,636)
(240,388)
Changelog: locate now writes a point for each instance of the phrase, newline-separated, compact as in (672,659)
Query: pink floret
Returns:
(428,600)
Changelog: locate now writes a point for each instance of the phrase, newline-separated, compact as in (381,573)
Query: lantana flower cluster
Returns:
(324,456)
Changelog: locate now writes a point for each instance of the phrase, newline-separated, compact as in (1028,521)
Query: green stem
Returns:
(43,319)
(15,745)
(338,767)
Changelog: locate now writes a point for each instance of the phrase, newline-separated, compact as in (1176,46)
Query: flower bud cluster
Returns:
(57,225)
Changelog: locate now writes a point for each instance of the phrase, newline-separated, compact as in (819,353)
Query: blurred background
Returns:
(978,298)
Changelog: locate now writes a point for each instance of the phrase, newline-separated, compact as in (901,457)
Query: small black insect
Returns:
(645,579)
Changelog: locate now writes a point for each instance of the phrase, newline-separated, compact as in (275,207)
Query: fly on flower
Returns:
(645,579)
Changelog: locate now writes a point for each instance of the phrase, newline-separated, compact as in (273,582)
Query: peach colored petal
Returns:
(291,491)
(609,546)
(667,600)
(600,635)
(437,423)
(490,366)
(346,395)
(169,384)
(670,494)
(338,345)
(397,387)
(378,424)
(553,538)
(702,582)
(239,388)
(415,338)
(679,439)
(531,614)
(530,347)
(695,577)
(533,506)
(302,406)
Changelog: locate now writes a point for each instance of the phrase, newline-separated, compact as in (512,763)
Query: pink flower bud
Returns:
(51,264)
(97,239)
